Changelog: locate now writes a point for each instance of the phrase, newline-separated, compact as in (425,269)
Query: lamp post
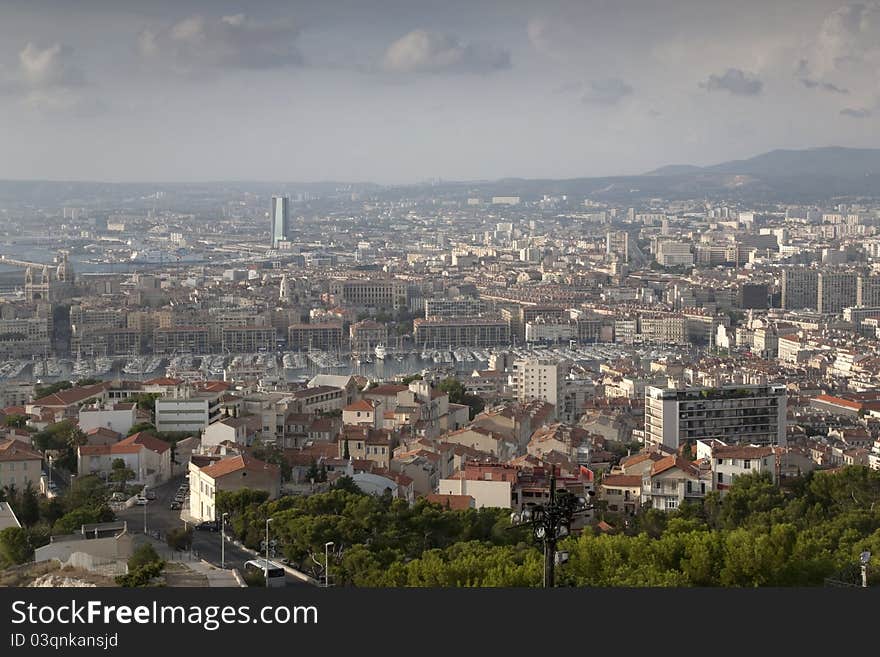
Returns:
(327,563)
(146,501)
(50,469)
(268,520)
(552,521)
(223,540)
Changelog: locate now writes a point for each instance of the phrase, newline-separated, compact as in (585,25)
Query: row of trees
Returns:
(757,535)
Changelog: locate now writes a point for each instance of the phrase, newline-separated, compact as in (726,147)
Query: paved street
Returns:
(206,544)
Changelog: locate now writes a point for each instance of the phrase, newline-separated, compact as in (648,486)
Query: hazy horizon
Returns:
(396,93)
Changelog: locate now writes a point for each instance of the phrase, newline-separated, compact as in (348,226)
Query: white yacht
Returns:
(381,352)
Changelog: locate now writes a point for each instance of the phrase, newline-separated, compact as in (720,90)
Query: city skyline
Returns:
(397,93)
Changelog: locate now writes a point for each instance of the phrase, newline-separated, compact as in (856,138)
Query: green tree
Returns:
(180,538)
(149,427)
(121,473)
(15,546)
(27,508)
(17,421)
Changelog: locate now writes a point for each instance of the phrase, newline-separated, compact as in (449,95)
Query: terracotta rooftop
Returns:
(238,463)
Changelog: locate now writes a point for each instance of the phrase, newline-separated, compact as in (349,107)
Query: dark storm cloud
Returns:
(421,51)
(736,81)
(609,91)
(228,42)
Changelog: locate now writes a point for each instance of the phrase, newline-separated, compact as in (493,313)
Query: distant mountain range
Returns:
(832,161)
(810,175)
(795,176)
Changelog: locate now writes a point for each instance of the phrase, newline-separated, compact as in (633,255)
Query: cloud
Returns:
(48,80)
(554,37)
(229,42)
(736,81)
(421,51)
(824,86)
(609,91)
(856,112)
(848,37)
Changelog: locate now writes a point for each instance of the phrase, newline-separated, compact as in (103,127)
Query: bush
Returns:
(144,555)
(180,538)
(15,546)
(141,576)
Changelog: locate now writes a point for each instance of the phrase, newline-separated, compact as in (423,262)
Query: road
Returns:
(159,516)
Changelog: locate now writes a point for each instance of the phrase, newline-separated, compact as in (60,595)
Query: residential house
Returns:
(118,417)
(144,454)
(20,464)
(671,481)
(228,474)
(622,493)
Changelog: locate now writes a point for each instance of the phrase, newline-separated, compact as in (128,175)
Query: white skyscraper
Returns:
(280,216)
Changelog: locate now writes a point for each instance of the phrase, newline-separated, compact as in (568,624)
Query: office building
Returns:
(280,216)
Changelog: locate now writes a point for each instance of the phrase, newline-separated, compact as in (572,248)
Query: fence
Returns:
(100,565)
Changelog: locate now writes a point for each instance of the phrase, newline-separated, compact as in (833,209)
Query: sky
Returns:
(403,91)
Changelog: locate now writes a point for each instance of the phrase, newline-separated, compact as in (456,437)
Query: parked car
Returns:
(142,500)
(207,525)
(175,506)
(151,495)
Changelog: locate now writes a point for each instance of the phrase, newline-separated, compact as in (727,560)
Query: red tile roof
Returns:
(623,481)
(16,450)
(453,502)
(232,464)
(71,395)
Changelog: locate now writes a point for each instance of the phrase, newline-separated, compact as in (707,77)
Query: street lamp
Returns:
(327,563)
(223,540)
(268,520)
(552,521)
(144,493)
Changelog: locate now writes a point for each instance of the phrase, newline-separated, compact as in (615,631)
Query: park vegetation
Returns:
(757,535)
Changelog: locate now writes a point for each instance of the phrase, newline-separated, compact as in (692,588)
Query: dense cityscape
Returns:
(430,345)
(390,294)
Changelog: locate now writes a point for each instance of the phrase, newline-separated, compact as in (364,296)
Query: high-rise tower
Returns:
(280,216)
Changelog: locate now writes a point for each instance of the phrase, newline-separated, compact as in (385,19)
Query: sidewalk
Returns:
(217,577)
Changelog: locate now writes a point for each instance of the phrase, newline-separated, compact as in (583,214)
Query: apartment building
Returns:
(836,291)
(734,414)
(800,288)
(248,339)
(181,339)
(469,332)
(326,336)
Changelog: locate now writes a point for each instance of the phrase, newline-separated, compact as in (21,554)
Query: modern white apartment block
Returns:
(540,378)
(754,414)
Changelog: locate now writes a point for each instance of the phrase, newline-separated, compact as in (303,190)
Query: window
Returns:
(690,486)
(720,461)
(747,464)
(671,504)
(720,478)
